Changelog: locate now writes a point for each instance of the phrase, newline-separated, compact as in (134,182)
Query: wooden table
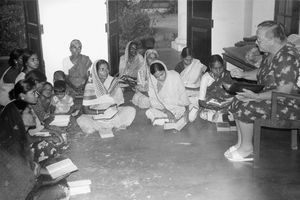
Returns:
(236,57)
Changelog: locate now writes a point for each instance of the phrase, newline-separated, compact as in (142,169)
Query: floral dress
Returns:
(282,70)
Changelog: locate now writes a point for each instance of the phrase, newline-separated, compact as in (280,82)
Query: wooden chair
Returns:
(274,122)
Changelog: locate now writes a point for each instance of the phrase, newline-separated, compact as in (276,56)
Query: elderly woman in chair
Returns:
(278,72)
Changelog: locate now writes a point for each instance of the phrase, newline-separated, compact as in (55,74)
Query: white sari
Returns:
(130,67)
(191,77)
(98,95)
(172,96)
(139,99)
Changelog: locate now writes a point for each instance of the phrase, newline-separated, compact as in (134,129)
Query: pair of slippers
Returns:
(233,155)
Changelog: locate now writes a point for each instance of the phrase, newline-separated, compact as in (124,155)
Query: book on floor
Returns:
(61,168)
(106,133)
(79,187)
(177,125)
(232,126)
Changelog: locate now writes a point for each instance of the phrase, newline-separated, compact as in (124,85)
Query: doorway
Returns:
(199,25)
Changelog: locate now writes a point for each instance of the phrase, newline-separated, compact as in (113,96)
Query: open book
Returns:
(61,120)
(178,125)
(61,168)
(79,187)
(215,102)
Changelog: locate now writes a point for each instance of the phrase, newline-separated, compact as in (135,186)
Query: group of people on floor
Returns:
(29,102)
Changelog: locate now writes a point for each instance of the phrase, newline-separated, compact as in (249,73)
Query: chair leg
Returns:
(256,141)
(294,139)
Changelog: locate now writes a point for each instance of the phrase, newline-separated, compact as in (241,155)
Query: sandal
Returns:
(236,157)
(228,151)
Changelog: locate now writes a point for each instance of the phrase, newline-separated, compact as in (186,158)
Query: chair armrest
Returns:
(278,95)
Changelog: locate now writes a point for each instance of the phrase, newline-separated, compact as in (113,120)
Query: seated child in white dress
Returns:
(61,102)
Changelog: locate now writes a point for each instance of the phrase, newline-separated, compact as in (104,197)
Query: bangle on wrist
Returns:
(97,112)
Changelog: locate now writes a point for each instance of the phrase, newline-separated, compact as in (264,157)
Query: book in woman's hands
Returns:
(177,125)
(236,87)
(61,168)
(108,114)
(217,103)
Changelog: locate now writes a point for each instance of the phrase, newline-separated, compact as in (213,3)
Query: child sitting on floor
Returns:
(213,99)
(61,102)
(60,76)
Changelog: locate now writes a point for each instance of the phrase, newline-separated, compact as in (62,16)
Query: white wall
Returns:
(64,20)
(262,10)
(235,19)
(229,26)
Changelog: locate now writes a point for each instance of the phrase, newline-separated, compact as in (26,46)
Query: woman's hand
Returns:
(237,73)
(247,95)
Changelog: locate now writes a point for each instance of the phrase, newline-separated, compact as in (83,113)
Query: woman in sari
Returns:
(76,67)
(9,74)
(141,99)
(213,99)
(18,169)
(130,62)
(101,93)
(167,95)
(191,70)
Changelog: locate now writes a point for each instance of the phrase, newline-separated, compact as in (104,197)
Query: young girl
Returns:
(61,102)
(30,62)
(213,99)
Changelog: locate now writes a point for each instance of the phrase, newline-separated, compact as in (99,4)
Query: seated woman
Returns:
(211,90)
(278,71)
(8,75)
(141,99)
(42,107)
(38,77)
(130,63)
(76,67)
(168,98)
(101,94)
(191,70)
(30,62)
(24,93)
(17,166)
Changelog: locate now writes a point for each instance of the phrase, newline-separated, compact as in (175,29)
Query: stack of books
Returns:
(223,127)
(79,187)
(226,126)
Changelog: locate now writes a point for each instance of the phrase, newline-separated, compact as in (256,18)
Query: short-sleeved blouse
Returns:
(283,69)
